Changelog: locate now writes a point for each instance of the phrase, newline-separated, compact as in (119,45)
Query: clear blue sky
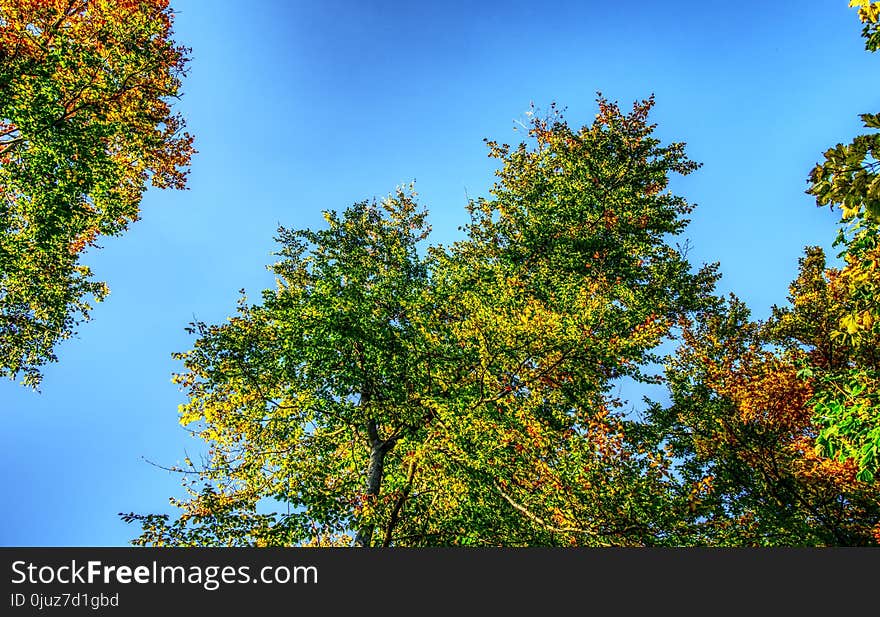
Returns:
(303,106)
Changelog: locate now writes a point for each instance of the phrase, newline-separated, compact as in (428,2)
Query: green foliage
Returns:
(85,123)
(741,426)
(566,284)
(869,14)
(464,398)
(465,395)
(846,400)
(296,394)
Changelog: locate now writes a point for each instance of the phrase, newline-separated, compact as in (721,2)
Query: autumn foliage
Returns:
(390,392)
(468,395)
(85,123)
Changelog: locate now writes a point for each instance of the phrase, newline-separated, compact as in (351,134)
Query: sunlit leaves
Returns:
(468,395)
(465,398)
(743,414)
(295,395)
(565,283)
(85,124)
(846,402)
(869,14)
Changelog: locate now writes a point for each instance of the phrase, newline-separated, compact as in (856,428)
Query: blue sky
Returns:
(303,106)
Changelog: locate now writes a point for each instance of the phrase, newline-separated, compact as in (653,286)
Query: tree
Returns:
(741,427)
(315,397)
(773,425)
(85,123)
(847,399)
(464,397)
(565,285)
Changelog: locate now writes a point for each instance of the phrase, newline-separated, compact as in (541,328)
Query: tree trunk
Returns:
(374,479)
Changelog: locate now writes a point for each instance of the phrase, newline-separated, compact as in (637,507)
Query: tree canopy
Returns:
(85,123)
(463,397)
(393,392)
(847,398)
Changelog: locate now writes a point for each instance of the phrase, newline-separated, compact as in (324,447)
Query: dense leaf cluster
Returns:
(393,393)
(85,124)
(466,395)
